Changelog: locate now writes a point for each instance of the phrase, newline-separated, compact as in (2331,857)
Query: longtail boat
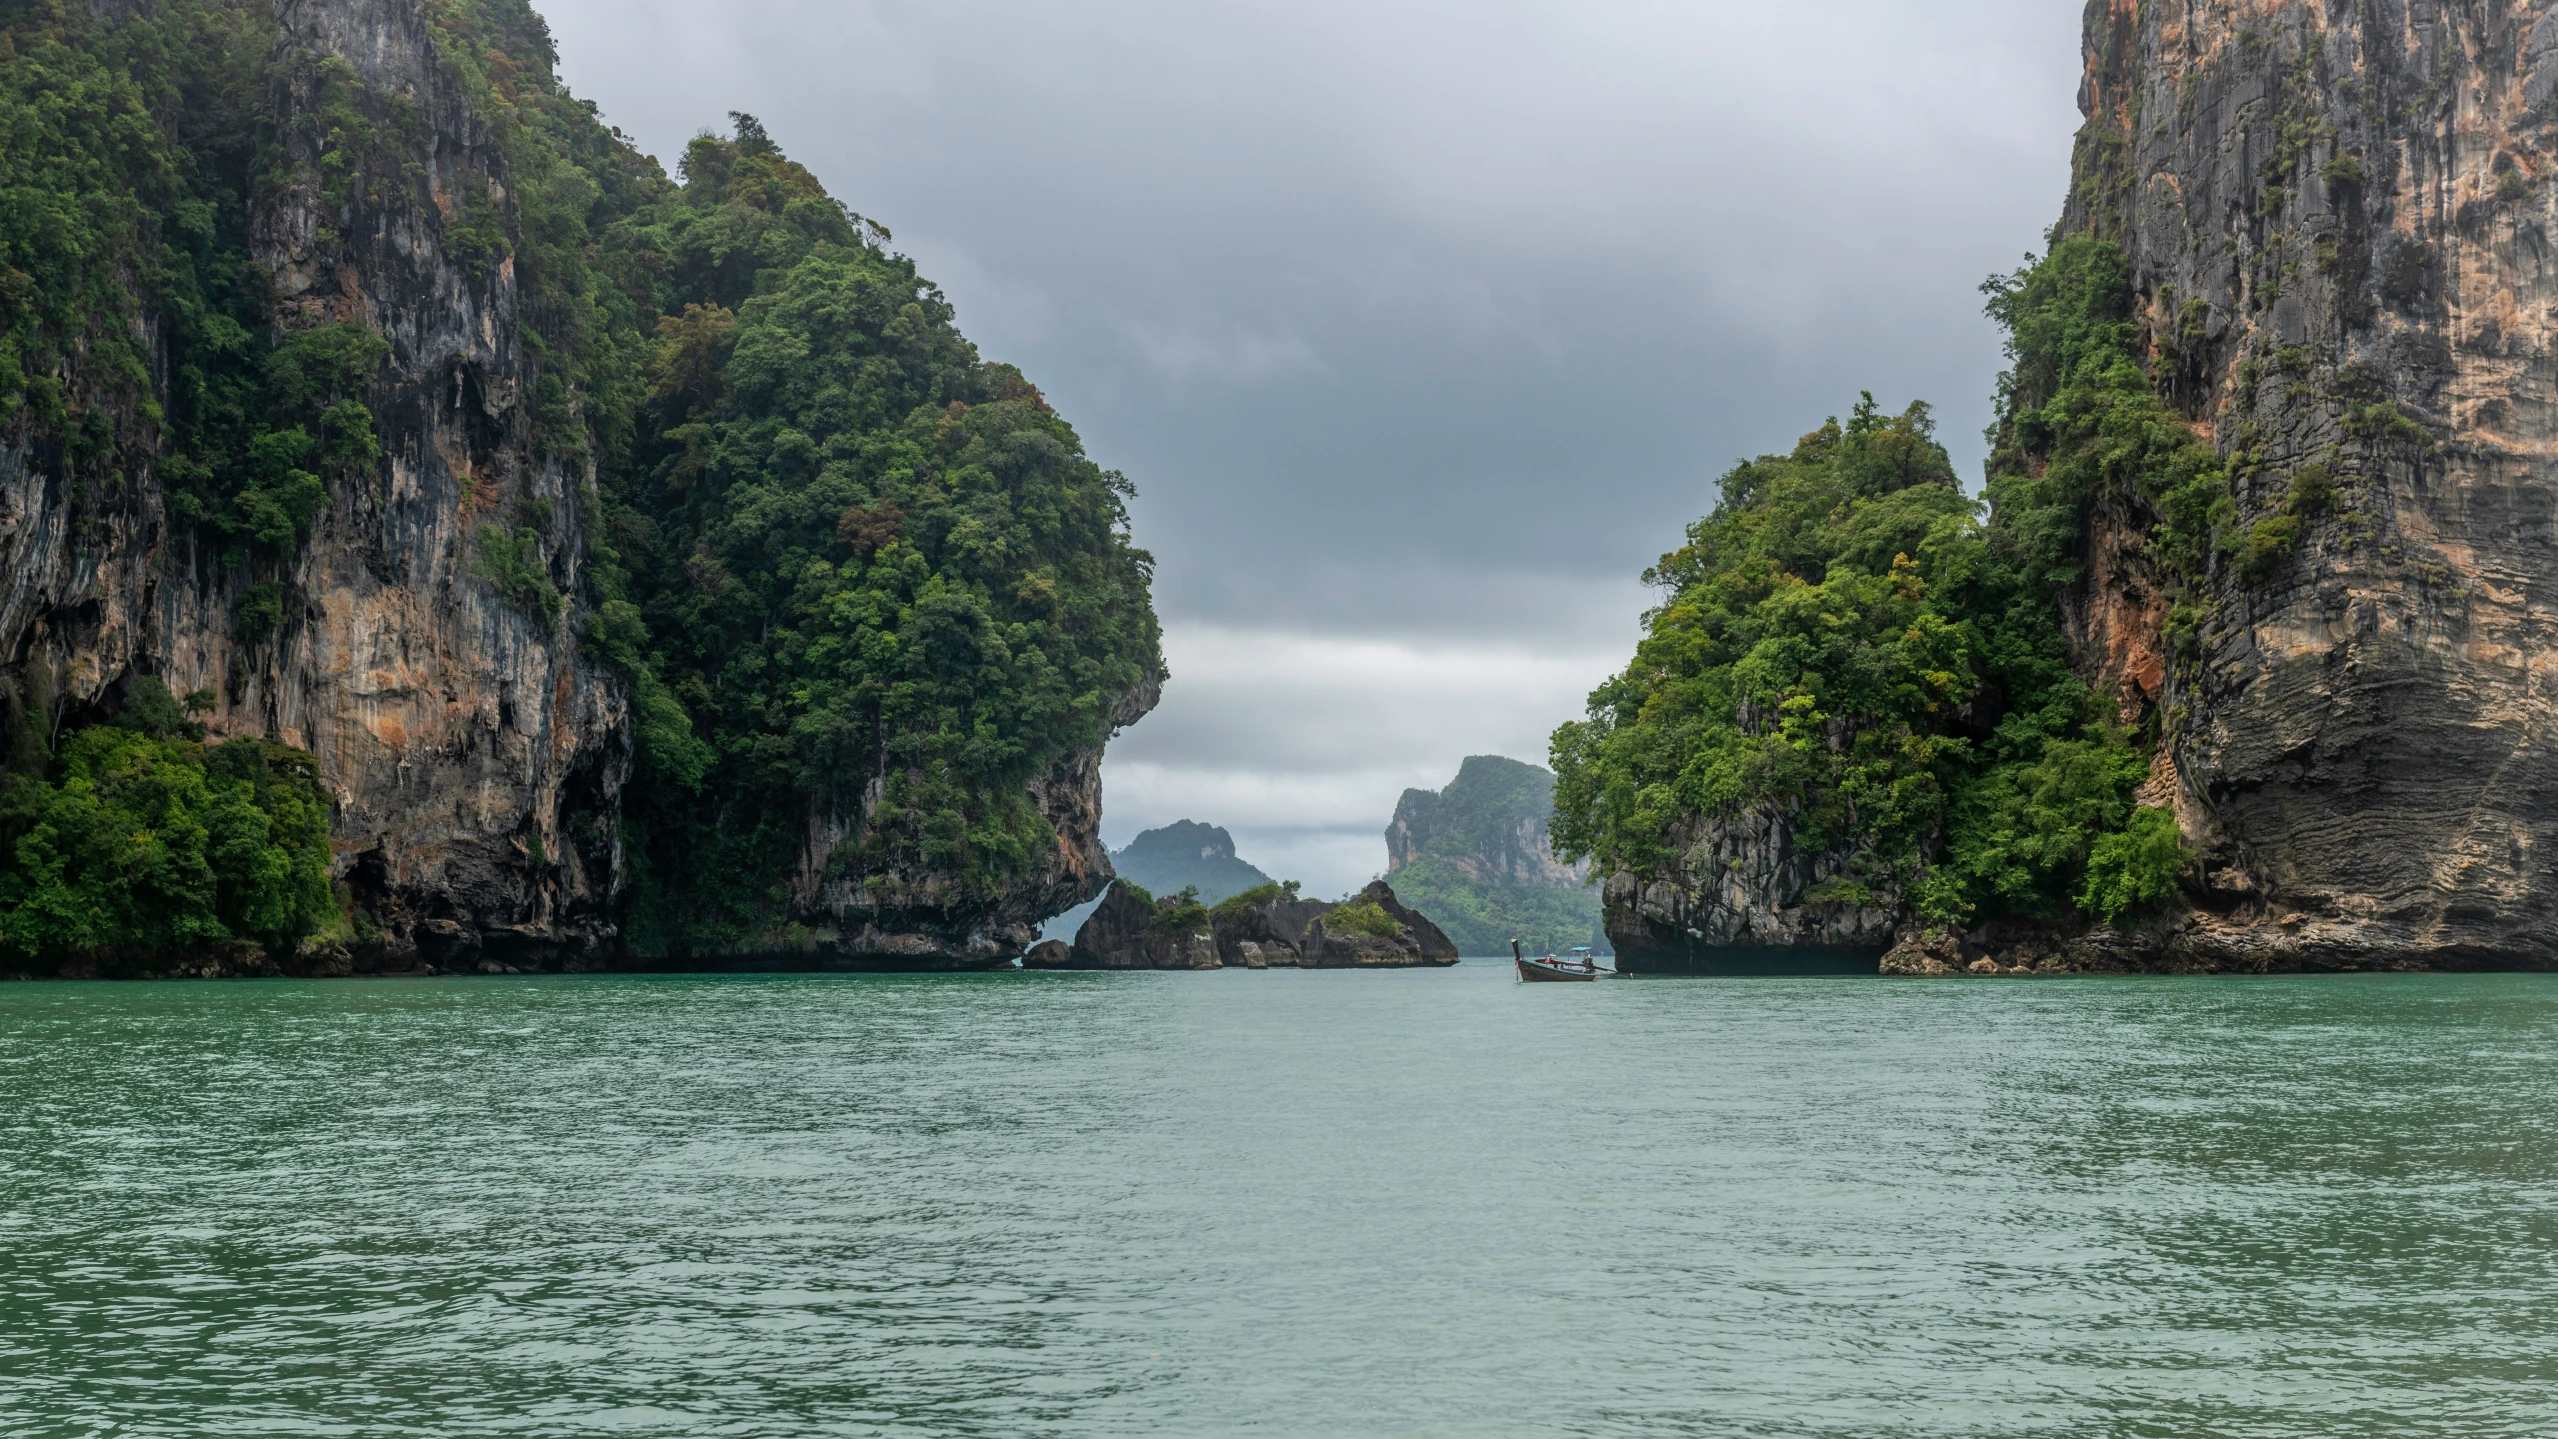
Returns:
(1550,970)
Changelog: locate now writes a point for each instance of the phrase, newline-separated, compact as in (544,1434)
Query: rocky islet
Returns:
(1266,928)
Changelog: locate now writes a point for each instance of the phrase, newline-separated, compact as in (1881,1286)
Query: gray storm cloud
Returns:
(1418,325)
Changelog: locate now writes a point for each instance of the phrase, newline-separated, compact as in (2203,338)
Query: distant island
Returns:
(1187,855)
(1476,858)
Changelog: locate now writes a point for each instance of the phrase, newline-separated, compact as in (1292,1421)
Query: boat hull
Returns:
(1535,973)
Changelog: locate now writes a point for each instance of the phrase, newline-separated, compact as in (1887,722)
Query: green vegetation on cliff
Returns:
(855,555)
(863,585)
(138,837)
(134,334)
(1847,640)
(1481,918)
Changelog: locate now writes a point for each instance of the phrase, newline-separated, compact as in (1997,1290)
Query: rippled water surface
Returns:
(1280,1204)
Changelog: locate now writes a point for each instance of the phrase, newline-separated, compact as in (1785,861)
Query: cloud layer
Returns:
(1421,326)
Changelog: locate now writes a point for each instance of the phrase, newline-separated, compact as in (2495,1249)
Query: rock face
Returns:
(1129,931)
(474,755)
(1745,899)
(2338,220)
(1274,934)
(1290,933)
(926,920)
(477,758)
(1434,945)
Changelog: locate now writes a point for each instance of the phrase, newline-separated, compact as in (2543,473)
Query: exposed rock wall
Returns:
(1744,896)
(2338,223)
(1127,932)
(464,739)
(924,919)
(2338,219)
(476,758)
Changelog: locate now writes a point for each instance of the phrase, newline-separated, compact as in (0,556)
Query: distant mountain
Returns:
(1169,860)
(1474,858)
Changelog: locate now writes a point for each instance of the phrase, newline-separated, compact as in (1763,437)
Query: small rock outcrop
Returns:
(1268,929)
(1134,930)
(1374,931)
(1267,933)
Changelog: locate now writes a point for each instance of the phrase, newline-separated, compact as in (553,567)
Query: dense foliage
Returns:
(143,839)
(1847,641)
(853,568)
(860,582)
(1362,917)
(1277,892)
(133,324)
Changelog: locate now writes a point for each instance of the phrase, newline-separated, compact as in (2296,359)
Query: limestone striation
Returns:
(469,745)
(2338,222)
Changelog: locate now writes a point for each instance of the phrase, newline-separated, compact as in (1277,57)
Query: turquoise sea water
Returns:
(1280,1204)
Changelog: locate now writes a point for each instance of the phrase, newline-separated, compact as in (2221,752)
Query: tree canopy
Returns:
(1849,641)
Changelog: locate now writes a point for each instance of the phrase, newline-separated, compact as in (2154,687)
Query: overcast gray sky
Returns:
(1422,326)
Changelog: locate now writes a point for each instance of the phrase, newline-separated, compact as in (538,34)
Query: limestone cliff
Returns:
(473,753)
(1489,824)
(1477,855)
(2338,222)
(2243,669)
(479,749)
